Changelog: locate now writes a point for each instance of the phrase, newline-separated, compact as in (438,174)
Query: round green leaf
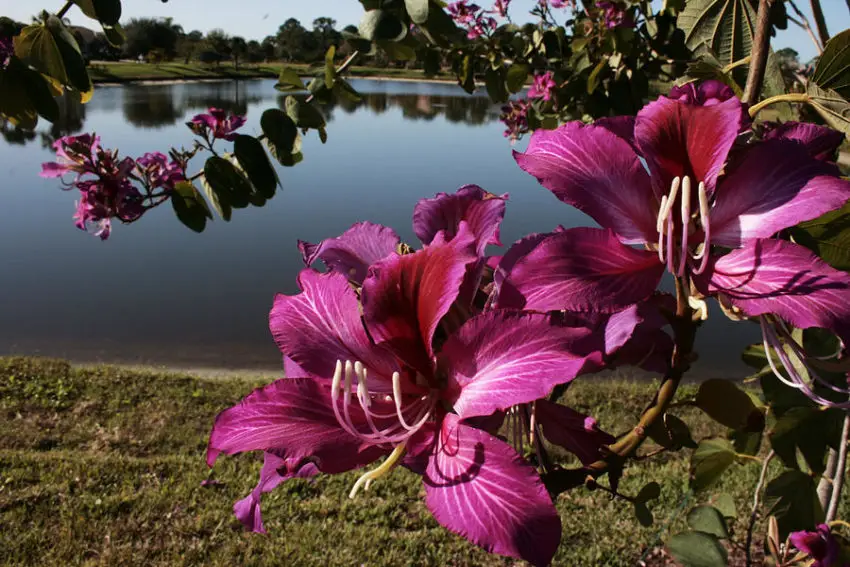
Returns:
(282,136)
(726,403)
(709,520)
(833,68)
(378,25)
(15,102)
(330,69)
(417,10)
(289,80)
(305,115)
(52,50)
(671,433)
(792,498)
(697,549)
(725,504)
(115,35)
(254,161)
(649,492)
(643,514)
(709,461)
(225,185)
(105,11)
(189,206)
(517,75)
(495,82)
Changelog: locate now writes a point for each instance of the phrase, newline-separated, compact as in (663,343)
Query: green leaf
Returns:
(517,76)
(417,10)
(431,62)
(344,90)
(376,25)
(831,106)
(253,159)
(40,94)
(52,50)
(649,492)
(466,76)
(828,236)
(725,504)
(833,67)
(643,514)
(697,549)
(105,11)
(727,404)
(398,51)
(747,442)
(808,431)
(282,136)
(189,206)
(15,102)
(593,78)
(226,186)
(115,35)
(708,520)
(792,498)
(330,68)
(754,356)
(495,82)
(289,80)
(671,433)
(709,461)
(305,115)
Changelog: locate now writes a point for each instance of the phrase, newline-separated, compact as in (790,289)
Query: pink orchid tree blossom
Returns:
(216,124)
(669,181)
(542,86)
(821,546)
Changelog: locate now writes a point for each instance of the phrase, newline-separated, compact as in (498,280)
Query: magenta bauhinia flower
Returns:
(665,181)
(615,15)
(463,12)
(820,545)
(217,123)
(821,142)
(103,180)
(500,7)
(159,171)
(515,117)
(542,86)
(381,385)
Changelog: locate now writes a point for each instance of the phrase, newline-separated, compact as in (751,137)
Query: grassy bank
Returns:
(108,72)
(103,466)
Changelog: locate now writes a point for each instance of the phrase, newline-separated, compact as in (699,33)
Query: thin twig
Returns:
(820,22)
(761,46)
(804,23)
(754,514)
(840,471)
(64,9)
(345,65)
(825,485)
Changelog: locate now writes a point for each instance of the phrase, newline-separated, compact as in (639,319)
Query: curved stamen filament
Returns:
(706,228)
(671,253)
(380,471)
(801,355)
(659,226)
(686,224)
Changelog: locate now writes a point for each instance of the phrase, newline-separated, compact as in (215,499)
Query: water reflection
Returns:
(72,117)
(456,109)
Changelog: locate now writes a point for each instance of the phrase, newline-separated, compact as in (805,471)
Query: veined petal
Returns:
(581,269)
(478,487)
(519,249)
(821,142)
(679,139)
(404,297)
(352,252)
(322,324)
(774,276)
(294,418)
(482,211)
(597,172)
(777,185)
(275,471)
(622,126)
(576,432)
(503,358)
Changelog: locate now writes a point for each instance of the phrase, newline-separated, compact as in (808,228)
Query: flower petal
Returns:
(404,297)
(293,417)
(679,139)
(483,212)
(275,471)
(777,185)
(352,252)
(774,276)
(503,358)
(519,249)
(821,142)
(576,432)
(599,173)
(581,269)
(322,324)
(478,487)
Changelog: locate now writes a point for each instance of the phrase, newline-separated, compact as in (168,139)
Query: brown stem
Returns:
(754,514)
(820,22)
(64,9)
(804,23)
(761,46)
(345,65)
(825,485)
(840,471)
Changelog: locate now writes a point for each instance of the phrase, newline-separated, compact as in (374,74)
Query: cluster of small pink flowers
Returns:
(615,15)
(557,4)
(515,117)
(7,49)
(105,182)
(500,8)
(542,86)
(473,18)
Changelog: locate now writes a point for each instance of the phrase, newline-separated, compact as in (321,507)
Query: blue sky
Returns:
(255,19)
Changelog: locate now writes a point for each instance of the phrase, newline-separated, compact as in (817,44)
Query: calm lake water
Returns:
(157,293)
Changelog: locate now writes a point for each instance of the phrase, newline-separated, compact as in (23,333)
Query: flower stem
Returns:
(820,22)
(792,97)
(64,9)
(840,471)
(761,46)
(754,514)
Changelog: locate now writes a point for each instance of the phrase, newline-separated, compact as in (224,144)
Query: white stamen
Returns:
(706,228)
(671,253)
(699,305)
(659,224)
(335,382)
(686,224)
(768,340)
(378,472)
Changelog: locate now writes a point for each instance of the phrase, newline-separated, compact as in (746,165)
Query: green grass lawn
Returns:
(103,466)
(105,72)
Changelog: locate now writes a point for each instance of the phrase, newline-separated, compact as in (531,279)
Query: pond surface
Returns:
(157,293)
